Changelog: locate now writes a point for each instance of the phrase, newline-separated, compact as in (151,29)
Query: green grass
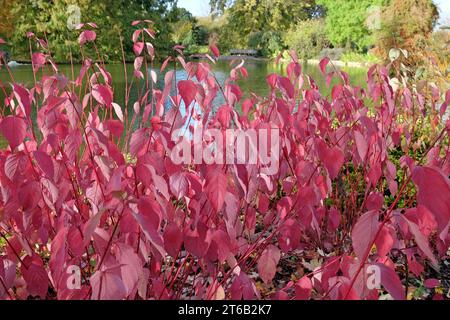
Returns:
(360,57)
(2,243)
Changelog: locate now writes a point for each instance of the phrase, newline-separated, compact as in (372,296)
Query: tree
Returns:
(307,38)
(346,22)
(268,18)
(48,19)
(408,25)
(274,15)
(218,6)
(268,43)
(200,34)
(181,31)
(6,24)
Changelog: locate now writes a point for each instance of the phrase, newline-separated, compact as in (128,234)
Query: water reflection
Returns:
(255,83)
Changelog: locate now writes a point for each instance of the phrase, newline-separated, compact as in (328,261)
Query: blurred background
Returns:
(354,33)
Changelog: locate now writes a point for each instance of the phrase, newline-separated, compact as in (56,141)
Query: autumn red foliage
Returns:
(89,190)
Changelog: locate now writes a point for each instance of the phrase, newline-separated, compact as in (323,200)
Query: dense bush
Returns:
(359,57)
(259,23)
(200,34)
(307,38)
(346,22)
(268,43)
(50,19)
(406,24)
(355,190)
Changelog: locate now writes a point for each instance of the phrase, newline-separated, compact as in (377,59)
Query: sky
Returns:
(201,8)
(444,7)
(198,8)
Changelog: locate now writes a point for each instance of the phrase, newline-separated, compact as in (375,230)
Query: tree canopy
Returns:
(346,22)
(407,24)
(261,22)
(309,26)
(48,19)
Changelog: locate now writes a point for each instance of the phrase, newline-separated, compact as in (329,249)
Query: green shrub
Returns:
(360,57)
(267,43)
(200,34)
(307,38)
(346,22)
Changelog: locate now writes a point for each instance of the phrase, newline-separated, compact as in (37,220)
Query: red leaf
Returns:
(421,240)
(35,276)
(220,246)
(323,65)
(45,163)
(86,36)
(138,140)
(173,238)
(303,288)
(188,90)
(334,219)
(433,193)
(289,237)
(374,174)
(118,111)
(287,86)
(223,114)
(15,163)
(178,185)
(138,74)
(247,104)
(431,283)
(138,63)
(363,233)
(384,241)
(29,195)
(215,51)
(332,158)
(391,282)
(103,94)
(23,97)
(108,285)
(147,225)
(130,267)
(7,275)
(135,35)
(374,201)
(361,145)
(164,65)
(14,130)
(271,80)
(150,50)
(216,187)
(151,211)
(156,123)
(38,60)
(75,242)
(138,47)
(196,239)
(90,226)
(58,254)
(267,263)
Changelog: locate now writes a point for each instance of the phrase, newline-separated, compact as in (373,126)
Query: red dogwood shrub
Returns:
(94,206)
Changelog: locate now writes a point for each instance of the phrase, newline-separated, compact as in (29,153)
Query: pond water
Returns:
(256,81)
